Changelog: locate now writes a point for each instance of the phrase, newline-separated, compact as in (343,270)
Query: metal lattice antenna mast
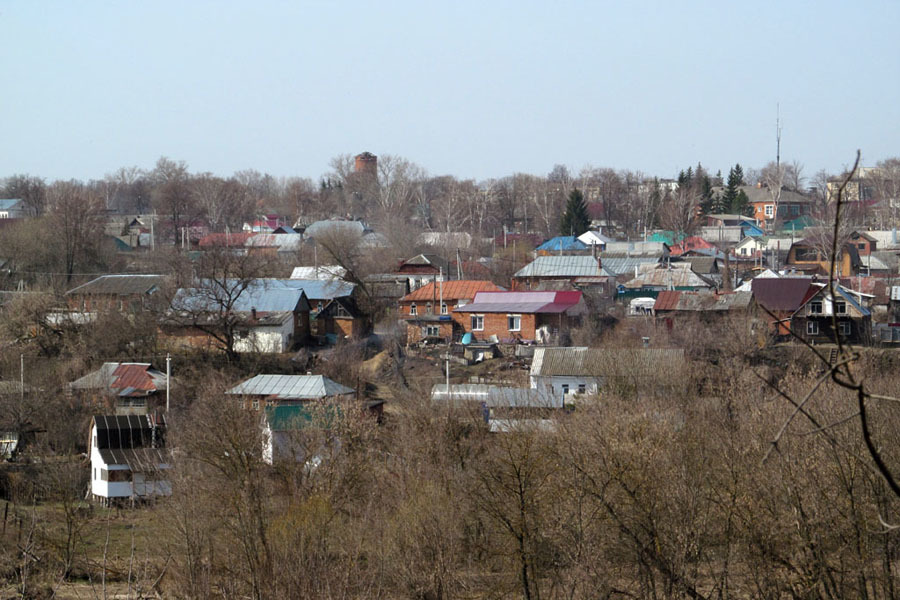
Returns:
(777,135)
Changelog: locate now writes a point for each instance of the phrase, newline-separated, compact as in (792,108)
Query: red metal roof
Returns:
(667,300)
(464,289)
(134,376)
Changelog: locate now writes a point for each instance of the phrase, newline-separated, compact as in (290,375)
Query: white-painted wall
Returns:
(136,485)
(556,383)
(270,340)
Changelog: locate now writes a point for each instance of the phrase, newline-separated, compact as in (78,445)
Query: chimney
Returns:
(253,313)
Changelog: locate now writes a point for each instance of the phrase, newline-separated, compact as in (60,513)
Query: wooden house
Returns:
(823,318)
(129,458)
(122,293)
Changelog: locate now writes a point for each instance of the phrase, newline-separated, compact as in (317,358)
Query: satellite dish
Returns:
(467,339)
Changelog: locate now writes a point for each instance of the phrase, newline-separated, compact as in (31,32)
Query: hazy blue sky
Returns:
(473,89)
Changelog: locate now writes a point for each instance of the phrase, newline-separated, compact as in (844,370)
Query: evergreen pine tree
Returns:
(575,220)
(735,199)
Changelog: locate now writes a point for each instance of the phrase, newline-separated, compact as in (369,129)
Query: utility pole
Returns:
(777,135)
(168,380)
(22,377)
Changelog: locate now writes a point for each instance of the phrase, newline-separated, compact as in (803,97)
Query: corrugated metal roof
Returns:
(676,275)
(262,296)
(225,240)
(564,266)
(603,362)
(625,265)
(849,298)
(120,285)
(137,377)
(522,302)
(315,289)
(701,301)
(285,242)
(563,242)
(323,272)
(496,396)
(451,290)
(290,387)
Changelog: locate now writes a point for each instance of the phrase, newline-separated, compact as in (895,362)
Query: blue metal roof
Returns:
(316,289)
(563,242)
(258,295)
(849,298)
(9,203)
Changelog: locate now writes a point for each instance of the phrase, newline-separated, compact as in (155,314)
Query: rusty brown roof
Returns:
(451,290)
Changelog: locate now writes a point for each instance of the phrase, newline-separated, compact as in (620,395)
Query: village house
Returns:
(822,318)
(262,391)
(811,256)
(524,316)
(574,270)
(705,305)
(344,319)
(779,298)
(122,293)
(582,370)
(264,317)
(429,310)
(12,208)
(129,458)
(667,276)
(289,404)
(791,205)
(424,269)
(124,388)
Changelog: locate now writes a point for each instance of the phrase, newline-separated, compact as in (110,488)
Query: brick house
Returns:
(538,316)
(429,310)
(123,293)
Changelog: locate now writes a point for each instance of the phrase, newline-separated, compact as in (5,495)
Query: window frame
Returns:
(845,328)
(817,304)
(432,331)
(812,328)
(843,308)
(445,310)
(413,310)
(509,321)
(477,322)
(769,210)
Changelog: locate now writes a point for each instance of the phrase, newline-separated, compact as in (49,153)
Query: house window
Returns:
(815,308)
(565,388)
(95,440)
(844,328)
(118,476)
(413,310)
(95,473)
(4,215)
(432,331)
(840,308)
(255,404)
(428,308)
(795,210)
(477,322)
(104,475)
(581,388)
(444,309)
(770,210)
(861,246)
(812,328)
(319,306)
(514,322)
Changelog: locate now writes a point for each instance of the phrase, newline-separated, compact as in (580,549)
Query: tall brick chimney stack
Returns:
(366,163)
